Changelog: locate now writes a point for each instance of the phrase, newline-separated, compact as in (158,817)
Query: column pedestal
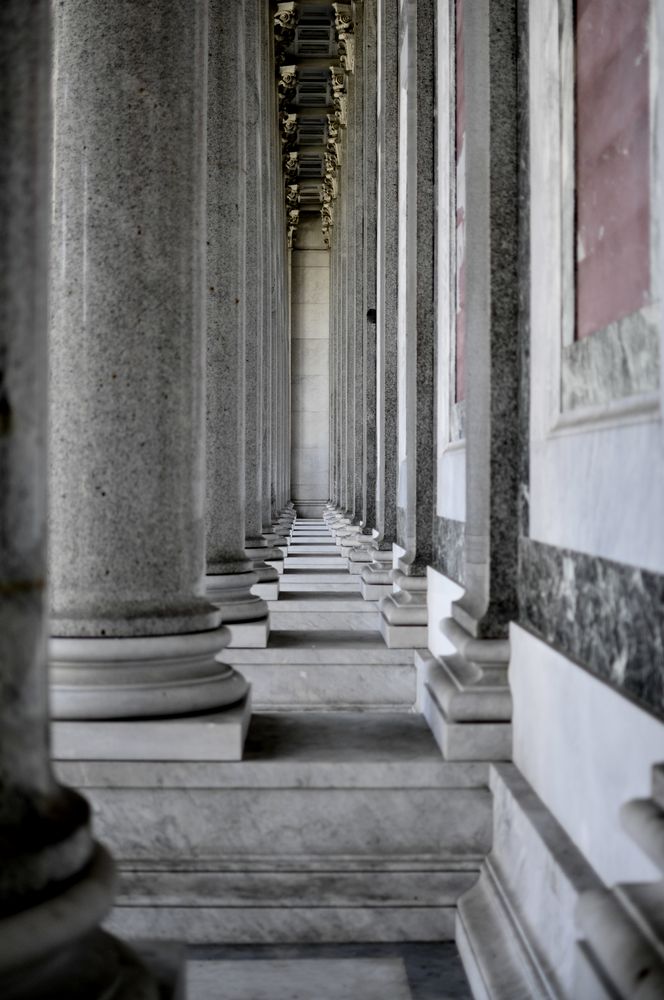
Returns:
(377,576)
(267,585)
(465,697)
(243,612)
(403,614)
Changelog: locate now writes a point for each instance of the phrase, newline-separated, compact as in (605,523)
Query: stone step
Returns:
(306,549)
(313,574)
(300,609)
(327,670)
(315,562)
(335,827)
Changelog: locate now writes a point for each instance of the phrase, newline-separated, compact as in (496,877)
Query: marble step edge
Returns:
(332,703)
(294,887)
(323,604)
(306,864)
(284,925)
(360,655)
(251,776)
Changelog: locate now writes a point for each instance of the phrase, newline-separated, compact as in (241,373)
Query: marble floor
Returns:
(319,594)
(408,971)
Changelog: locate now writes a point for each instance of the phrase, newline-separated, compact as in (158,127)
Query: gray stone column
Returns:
(230,573)
(404,614)
(376,578)
(267,263)
(492,359)
(472,684)
(363,552)
(256,545)
(356,315)
(134,634)
(56,882)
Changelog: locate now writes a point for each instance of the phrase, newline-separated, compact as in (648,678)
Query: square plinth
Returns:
(212,736)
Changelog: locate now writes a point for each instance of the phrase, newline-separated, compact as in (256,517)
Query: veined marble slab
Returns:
(310,838)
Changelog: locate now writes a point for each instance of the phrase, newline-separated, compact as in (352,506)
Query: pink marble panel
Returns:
(612,162)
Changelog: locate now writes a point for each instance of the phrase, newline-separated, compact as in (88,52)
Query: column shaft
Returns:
(256,545)
(127,369)
(230,572)
(56,883)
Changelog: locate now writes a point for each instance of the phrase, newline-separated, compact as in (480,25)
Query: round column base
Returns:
(141,676)
(54,948)
(231,593)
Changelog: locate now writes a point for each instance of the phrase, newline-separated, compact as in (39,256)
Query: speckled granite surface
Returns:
(606,615)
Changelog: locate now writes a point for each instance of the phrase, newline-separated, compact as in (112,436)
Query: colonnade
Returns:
(144,258)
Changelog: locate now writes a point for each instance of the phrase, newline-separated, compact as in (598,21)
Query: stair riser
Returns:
(279,925)
(330,686)
(359,621)
(180,825)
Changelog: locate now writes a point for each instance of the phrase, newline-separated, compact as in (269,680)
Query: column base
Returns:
(443,693)
(141,676)
(272,555)
(267,586)
(243,613)
(215,736)
(54,949)
(361,552)
(465,697)
(267,591)
(377,577)
(403,614)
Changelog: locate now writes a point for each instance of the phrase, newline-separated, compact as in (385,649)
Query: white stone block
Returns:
(214,736)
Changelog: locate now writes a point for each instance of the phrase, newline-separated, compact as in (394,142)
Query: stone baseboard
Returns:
(516,928)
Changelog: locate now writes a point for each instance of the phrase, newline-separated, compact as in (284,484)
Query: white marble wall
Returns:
(595,486)
(585,750)
(310,378)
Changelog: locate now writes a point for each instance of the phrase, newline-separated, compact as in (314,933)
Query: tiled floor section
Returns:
(327,972)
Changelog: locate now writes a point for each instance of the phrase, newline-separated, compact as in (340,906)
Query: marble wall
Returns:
(310,378)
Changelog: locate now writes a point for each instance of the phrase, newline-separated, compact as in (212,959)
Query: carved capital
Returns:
(288,126)
(338,78)
(285,23)
(292,196)
(286,86)
(293,222)
(343,23)
(291,167)
(327,220)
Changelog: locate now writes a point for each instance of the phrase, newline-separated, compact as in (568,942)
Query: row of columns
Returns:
(159,241)
(409,390)
(144,294)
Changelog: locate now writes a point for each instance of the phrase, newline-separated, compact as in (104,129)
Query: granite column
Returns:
(471,688)
(256,545)
(376,578)
(230,573)
(366,304)
(134,634)
(268,190)
(56,882)
(403,620)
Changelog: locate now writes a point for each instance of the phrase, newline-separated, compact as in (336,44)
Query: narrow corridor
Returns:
(339,854)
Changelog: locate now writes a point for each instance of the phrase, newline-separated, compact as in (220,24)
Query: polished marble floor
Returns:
(326,972)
